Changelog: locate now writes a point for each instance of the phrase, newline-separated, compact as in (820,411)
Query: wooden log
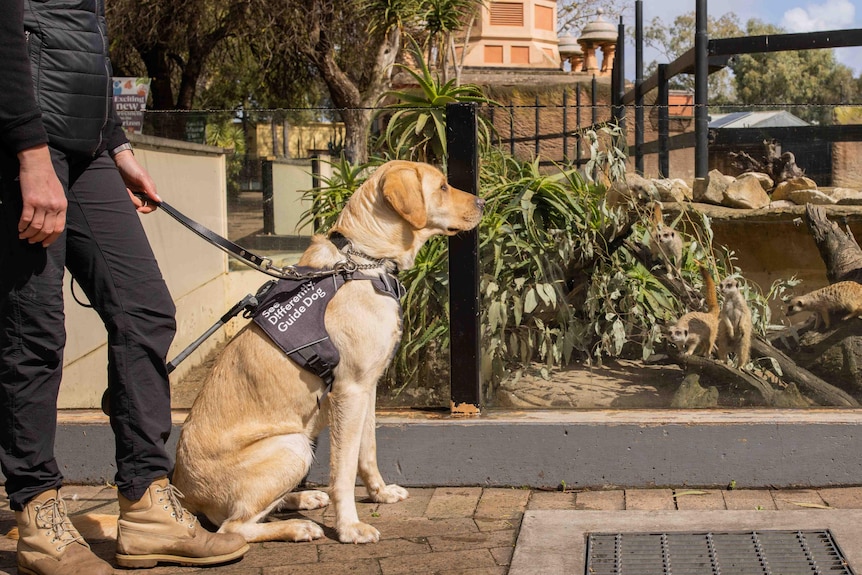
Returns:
(838,248)
(819,390)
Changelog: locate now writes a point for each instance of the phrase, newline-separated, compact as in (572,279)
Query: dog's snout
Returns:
(480,203)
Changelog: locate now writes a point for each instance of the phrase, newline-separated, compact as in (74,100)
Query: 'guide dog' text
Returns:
(284,314)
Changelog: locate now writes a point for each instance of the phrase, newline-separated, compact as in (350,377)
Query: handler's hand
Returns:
(138,181)
(43,217)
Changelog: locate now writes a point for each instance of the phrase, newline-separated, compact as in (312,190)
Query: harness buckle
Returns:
(346,266)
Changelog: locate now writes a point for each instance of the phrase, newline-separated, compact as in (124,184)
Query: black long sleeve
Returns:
(20,118)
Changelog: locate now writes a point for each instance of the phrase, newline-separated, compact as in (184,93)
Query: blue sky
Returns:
(792,15)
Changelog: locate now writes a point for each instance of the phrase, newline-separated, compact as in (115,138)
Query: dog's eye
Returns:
(444,187)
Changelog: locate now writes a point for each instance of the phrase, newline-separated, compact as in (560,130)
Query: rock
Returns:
(711,190)
(691,395)
(782,190)
(803,197)
(781,204)
(673,190)
(765,181)
(746,192)
(790,397)
(846,196)
(634,188)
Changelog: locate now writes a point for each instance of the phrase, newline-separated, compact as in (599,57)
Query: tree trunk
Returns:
(356,125)
(839,249)
(355,102)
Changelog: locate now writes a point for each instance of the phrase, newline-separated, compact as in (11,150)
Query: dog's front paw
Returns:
(390,494)
(359,533)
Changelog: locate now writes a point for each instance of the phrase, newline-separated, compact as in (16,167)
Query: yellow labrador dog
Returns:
(247,441)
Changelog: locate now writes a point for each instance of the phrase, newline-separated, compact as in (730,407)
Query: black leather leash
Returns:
(260,263)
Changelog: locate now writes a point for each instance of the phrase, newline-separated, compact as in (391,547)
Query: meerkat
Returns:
(696,332)
(734,323)
(843,296)
(665,243)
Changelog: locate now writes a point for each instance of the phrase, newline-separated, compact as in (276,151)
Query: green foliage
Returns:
(416,128)
(327,201)
(557,282)
(224,133)
(809,81)
(673,40)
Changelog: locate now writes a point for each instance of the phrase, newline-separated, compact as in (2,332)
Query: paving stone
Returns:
(542,500)
(422,527)
(498,524)
(480,571)
(699,500)
(413,506)
(502,503)
(435,562)
(385,548)
(649,499)
(748,499)
(790,499)
(614,500)
(280,553)
(360,567)
(453,502)
(842,497)
(503,555)
(484,540)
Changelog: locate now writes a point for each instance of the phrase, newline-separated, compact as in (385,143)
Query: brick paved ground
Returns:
(444,530)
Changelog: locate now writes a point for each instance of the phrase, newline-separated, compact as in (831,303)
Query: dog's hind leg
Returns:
(273,467)
(369,471)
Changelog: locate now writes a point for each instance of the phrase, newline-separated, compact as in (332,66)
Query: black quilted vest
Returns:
(68,45)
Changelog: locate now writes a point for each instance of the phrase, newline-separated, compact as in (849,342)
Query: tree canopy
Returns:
(805,82)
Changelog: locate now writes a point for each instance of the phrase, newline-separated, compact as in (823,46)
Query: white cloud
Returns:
(831,15)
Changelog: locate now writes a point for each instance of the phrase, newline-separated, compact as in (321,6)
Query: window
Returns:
(507,14)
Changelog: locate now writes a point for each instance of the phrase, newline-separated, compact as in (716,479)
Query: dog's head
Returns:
(403,204)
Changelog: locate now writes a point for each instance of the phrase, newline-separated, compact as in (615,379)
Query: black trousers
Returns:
(105,249)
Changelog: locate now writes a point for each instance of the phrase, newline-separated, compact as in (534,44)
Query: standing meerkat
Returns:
(839,297)
(734,323)
(697,331)
(665,243)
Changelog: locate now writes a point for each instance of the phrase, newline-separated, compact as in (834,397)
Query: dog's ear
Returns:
(402,188)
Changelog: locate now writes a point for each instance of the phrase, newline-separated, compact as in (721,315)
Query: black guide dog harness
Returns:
(291,313)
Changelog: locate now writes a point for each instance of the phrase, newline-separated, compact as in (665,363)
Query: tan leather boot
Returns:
(48,543)
(157,528)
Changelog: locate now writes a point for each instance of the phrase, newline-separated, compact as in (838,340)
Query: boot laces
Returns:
(173,496)
(51,514)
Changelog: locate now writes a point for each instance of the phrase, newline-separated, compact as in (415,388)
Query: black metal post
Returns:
(267,188)
(464,310)
(619,72)
(663,122)
(701,75)
(639,78)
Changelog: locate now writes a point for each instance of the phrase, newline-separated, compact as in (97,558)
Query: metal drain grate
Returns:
(742,553)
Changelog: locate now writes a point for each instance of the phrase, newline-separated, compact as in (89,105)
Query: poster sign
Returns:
(130,101)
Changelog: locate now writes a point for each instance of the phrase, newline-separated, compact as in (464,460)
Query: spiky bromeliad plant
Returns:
(416,125)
